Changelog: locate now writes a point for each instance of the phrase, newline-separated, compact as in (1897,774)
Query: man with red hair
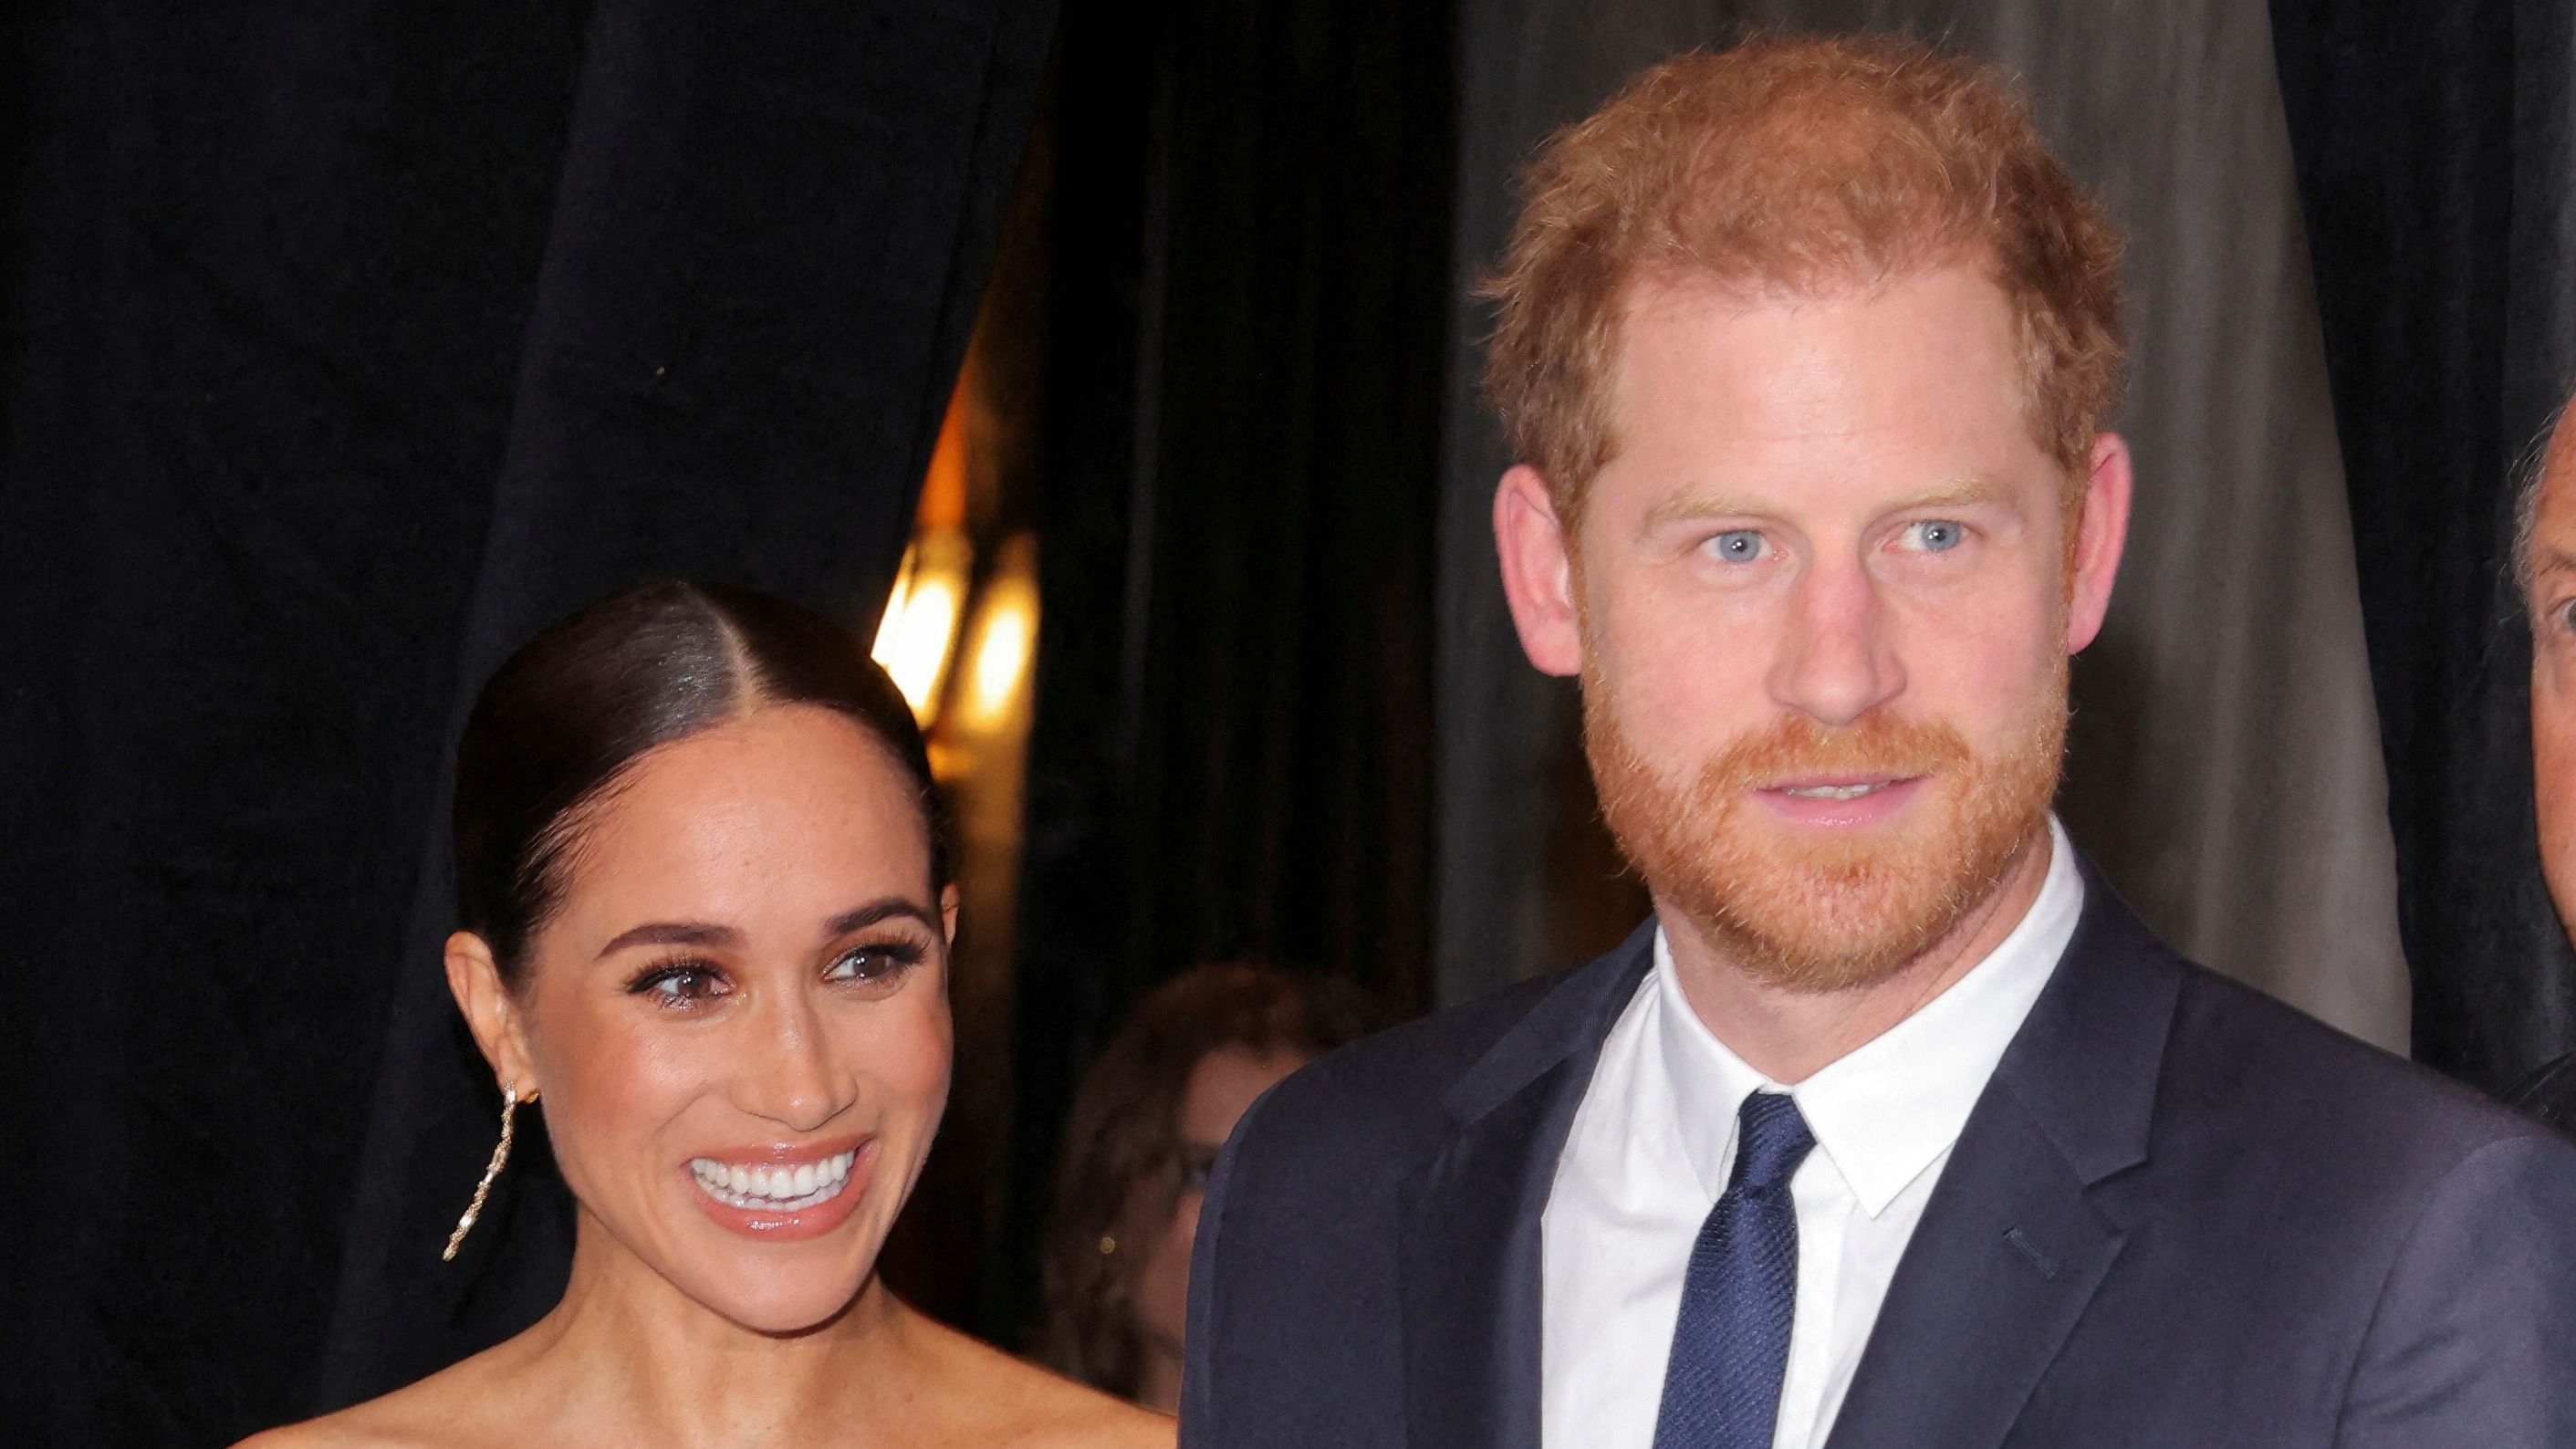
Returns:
(1893,1128)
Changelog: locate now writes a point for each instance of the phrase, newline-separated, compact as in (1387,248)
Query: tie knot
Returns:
(1771,1139)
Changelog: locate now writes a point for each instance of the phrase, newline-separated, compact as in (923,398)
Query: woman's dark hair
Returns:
(1123,1166)
(564,720)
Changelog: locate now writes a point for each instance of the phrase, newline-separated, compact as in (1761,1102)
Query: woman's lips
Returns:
(1840,804)
(783,1193)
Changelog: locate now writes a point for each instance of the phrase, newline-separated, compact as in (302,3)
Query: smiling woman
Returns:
(705,919)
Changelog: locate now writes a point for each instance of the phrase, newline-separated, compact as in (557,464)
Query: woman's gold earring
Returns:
(510,1100)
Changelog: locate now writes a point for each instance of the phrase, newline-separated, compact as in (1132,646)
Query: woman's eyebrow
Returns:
(701,933)
(673,933)
(862,917)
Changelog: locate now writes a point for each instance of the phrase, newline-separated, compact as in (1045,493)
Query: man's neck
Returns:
(1789,1036)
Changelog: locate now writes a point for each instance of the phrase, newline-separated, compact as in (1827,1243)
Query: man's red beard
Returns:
(1828,913)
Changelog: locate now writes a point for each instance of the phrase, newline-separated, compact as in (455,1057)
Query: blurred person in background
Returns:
(2545,567)
(1144,1132)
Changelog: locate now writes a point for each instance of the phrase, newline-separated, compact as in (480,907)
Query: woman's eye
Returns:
(679,985)
(873,963)
(1737,545)
(1935,535)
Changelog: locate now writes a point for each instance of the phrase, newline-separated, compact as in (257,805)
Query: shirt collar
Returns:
(1888,1110)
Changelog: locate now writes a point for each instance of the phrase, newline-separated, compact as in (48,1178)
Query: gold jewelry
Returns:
(510,1100)
(1108,1245)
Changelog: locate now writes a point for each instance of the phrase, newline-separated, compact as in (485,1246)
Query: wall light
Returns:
(1005,636)
(919,633)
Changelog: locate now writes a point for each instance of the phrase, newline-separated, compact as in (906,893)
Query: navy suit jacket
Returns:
(2181,1216)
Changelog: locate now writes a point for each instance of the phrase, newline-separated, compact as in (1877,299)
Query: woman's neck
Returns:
(635,1360)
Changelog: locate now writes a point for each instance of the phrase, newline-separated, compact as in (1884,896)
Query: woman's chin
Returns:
(780,1288)
(787,1308)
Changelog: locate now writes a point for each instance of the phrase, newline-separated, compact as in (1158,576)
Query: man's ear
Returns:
(2101,532)
(1538,572)
(948,912)
(491,1013)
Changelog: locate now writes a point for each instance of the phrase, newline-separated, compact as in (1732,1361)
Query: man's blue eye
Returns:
(1740,545)
(1938,535)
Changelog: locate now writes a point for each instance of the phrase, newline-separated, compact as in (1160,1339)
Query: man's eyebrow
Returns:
(1695,504)
(673,933)
(891,907)
(1961,492)
(1974,488)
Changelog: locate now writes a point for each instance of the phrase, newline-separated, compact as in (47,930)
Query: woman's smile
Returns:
(783,1193)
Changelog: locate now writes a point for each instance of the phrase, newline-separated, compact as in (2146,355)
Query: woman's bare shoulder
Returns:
(1074,1414)
(331,1431)
(451,1409)
(1020,1404)
(362,1427)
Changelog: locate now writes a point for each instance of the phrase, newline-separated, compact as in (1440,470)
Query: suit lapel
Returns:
(2025,1222)
(1997,1275)
(1470,1253)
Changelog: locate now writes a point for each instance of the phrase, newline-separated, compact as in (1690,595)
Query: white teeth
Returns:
(1834,792)
(774,1188)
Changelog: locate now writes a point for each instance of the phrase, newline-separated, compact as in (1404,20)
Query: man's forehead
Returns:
(2558,463)
(2554,489)
(2545,535)
(1834,272)
(1689,334)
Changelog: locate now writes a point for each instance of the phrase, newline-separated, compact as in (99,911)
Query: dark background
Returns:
(345,344)
(2437,167)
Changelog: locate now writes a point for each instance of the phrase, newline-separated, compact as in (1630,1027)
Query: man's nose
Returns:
(1837,661)
(792,1079)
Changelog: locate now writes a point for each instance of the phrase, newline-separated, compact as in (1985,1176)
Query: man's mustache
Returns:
(1797,750)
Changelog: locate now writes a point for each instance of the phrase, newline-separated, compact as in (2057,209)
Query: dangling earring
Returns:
(510,1100)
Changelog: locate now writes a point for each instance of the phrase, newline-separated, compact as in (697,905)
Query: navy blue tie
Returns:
(1731,1344)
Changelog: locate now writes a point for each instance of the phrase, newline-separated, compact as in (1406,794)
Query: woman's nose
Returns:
(793,1079)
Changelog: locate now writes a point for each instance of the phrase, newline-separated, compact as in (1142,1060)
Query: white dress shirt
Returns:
(1654,1139)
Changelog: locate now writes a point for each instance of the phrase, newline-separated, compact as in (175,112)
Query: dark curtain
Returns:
(2435,159)
(1231,748)
(345,344)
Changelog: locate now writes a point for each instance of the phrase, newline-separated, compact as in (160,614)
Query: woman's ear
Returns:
(948,911)
(491,1013)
